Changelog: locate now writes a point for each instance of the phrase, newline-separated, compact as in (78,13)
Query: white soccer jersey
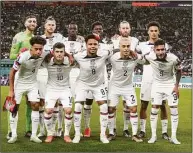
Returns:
(27,67)
(134,43)
(92,69)
(73,47)
(144,48)
(163,70)
(58,75)
(122,70)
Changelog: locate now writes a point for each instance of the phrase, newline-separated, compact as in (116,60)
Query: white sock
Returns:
(68,124)
(111,123)
(164,125)
(103,118)
(35,118)
(126,119)
(87,115)
(60,116)
(115,118)
(142,124)
(174,121)
(153,121)
(41,111)
(77,118)
(48,123)
(134,122)
(13,124)
(55,118)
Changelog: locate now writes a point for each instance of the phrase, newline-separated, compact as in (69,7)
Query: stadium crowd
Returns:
(176,31)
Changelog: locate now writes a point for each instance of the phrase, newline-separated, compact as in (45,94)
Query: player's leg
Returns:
(173,103)
(126,119)
(87,114)
(145,96)
(156,101)
(80,92)
(41,111)
(60,120)
(14,118)
(33,97)
(100,96)
(28,118)
(55,117)
(9,133)
(164,120)
(66,100)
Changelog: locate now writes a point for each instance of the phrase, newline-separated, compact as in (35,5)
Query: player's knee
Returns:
(42,102)
(78,107)
(104,108)
(111,110)
(49,111)
(154,110)
(35,106)
(173,110)
(68,111)
(89,101)
(144,105)
(133,109)
(156,106)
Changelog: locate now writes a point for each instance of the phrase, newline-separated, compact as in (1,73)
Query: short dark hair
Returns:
(58,45)
(159,42)
(37,40)
(95,24)
(72,22)
(91,36)
(30,16)
(153,23)
(50,18)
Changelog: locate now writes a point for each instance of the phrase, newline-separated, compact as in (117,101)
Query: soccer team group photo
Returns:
(70,71)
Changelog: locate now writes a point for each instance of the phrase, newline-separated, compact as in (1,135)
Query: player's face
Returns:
(59,54)
(72,30)
(125,48)
(125,30)
(153,32)
(36,50)
(50,26)
(160,51)
(92,46)
(98,29)
(31,24)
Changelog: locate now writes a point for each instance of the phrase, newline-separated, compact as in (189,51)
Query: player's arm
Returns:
(178,70)
(16,45)
(70,58)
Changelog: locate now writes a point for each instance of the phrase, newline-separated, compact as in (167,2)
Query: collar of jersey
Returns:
(52,62)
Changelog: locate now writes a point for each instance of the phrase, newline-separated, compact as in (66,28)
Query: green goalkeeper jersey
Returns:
(20,42)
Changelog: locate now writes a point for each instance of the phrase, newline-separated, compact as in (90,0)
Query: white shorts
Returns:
(90,95)
(64,96)
(81,92)
(128,93)
(74,73)
(159,94)
(42,81)
(31,90)
(145,92)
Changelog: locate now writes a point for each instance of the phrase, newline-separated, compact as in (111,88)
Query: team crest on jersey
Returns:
(125,64)
(59,69)
(161,65)
(92,64)
(51,41)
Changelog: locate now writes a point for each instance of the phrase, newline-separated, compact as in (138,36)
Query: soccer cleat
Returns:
(141,134)
(136,138)
(12,139)
(28,134)
(35,139)
(9,135)
(175,141)
(165,136)
(87,132)
(111,137)
(104,139)
(59,132)
(49,139)
(127,134)
(76,139)
(152,140)
(41,134)
(67,139)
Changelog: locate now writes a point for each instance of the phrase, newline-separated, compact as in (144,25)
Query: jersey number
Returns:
(103,92)
(93,71)
(59,77)
(125,72)
(161,72)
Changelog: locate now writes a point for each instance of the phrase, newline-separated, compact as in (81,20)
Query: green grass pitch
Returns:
(92,144)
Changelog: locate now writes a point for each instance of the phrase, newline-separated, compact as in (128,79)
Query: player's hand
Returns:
(176,90)
(133,54)
(71,59)
(11,94)
(23,50)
